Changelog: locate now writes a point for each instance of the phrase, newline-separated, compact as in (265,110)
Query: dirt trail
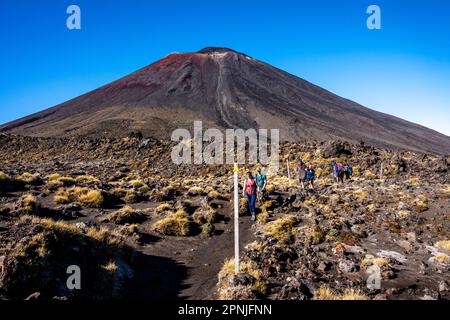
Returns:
(186,268)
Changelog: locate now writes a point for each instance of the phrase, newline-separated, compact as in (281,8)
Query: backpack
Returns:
(350,170)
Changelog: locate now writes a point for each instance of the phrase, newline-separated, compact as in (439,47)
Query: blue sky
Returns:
(402,69)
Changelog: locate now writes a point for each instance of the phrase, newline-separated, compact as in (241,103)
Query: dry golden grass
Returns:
(196,191)
(85,196)
(263,217)
(268,205)
(87,179)
(175,224)
(270,188)
(55,180)
(413,181)
(281,229)
(404,214)
(361,194)
(226,274)
(119,192)
(163,207)
(369,174)
(130,196)
(3,176)
(29,178)
(325,293)
(370,261)
(443,244)
(60,226)
(110,267)
(126,215)
(213,194)
(421,203)
(35,244)
(442,258)
(29,205)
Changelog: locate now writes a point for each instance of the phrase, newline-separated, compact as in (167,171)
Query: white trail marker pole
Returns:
(288,170)
(236,220)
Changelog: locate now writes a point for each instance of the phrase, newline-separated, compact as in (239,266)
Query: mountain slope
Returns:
(225,89)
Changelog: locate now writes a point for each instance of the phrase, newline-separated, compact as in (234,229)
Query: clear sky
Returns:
(402,69)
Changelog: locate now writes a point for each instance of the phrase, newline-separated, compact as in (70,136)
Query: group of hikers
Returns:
(255,186)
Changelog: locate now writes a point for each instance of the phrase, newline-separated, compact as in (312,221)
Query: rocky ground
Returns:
(139,226)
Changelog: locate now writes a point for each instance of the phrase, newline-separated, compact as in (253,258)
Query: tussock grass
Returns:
(29,205)
(282,229)
(370,261)
(175,224)
(4,177)
(325,293)
(443,244)
(55,180)
(420,203)
(442,258)
(196,191)
(163,207)
(226,275)
(87,197)
(126,215)
(29,178)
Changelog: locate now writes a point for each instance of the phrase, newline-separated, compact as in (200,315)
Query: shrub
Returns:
(126,215)
(55,180)
(85,196)
(196,191)
(175,224)
(89,180)
(29,205)
(131,196)
(163,207)
(282,229)
(270,188)
(29,178)
(421,203)
(370,261)
(443,244)
(324,293)
(226,275)
(119,192)
(3,177)
(442,258)
(208,215)
(35,261)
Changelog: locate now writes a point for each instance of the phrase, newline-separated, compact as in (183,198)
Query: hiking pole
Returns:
(236,220)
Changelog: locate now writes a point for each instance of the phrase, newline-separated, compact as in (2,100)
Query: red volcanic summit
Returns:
(225,89)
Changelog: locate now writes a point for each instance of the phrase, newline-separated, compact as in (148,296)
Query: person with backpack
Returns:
(301,173)
(335,171)
(249,191)
(341,173)
(261,183)
(338,172)
(310,176)
(348,171)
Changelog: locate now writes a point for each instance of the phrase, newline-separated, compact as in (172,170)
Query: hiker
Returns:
(338,172)
(301,173)
(249,191)
(348,171)
(310,176)
(261,182)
